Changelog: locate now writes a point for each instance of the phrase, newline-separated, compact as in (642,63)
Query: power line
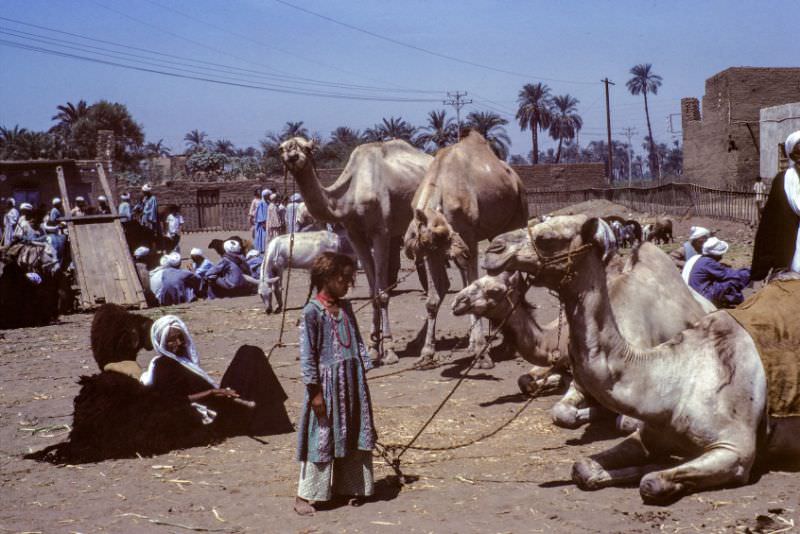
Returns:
(289,78)
(425,50)
(457,101)
(58,53)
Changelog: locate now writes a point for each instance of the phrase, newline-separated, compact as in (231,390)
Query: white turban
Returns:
(273,196)
(232,246)
(696,232)
(102,198)
(163,261)
(791,141)
(25,206)
(158,335)
(80,199)
(12,201)
(266,193)
(174,259)
(141,252)
(125,196)
(714,247)
(146,187)
(252,253)
(196,252)
(34,278)
(56,200)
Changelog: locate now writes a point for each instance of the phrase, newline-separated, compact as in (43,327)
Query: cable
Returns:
(425,50)
(48,51)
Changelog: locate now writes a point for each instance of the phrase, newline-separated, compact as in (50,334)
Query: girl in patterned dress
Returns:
(336,434)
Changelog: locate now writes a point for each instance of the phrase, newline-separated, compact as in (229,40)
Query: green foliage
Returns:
(490,126)
(205,161)
(103,115)
(534,112)
(130,178)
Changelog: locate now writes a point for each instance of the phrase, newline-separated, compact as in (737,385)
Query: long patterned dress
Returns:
(333,357)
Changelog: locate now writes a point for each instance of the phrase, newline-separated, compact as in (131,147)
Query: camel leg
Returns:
(540,380)
(477,339)
(437,276)
(382,252)
(575,410)
(278,295)
(364,252)
(624,463)
(727,463)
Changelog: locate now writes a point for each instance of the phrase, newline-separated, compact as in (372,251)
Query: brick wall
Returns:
(719,149)
(562,177)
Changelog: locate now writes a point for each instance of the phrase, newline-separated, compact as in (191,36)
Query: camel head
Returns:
(296,152)
(429,233)
(486,293)
(553,250)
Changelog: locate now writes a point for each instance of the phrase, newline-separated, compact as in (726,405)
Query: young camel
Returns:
(372,200)
(467,195)
(701,396)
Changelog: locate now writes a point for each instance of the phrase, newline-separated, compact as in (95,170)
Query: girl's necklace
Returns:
(338,322)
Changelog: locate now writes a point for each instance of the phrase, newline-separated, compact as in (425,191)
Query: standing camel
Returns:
(372,200)
(467,195)
(702,396)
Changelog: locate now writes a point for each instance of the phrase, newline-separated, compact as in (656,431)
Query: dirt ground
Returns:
(515,481)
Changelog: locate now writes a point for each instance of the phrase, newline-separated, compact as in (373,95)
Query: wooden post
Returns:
(62,187)
(101,174)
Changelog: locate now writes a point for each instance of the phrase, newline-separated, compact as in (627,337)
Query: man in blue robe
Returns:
(231,277)
(260,231)
(10,220)
(177,285)
(705,274)
(150,211)
(291,213)
(124,210)
(200,265)
(254,261)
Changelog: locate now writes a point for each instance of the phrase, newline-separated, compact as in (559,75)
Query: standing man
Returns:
(174,223)
(24,229)
(55,212)
(124,207)
(260,221)
(777,244)
(291,213)
(760,189)
(150,213)
(10,222)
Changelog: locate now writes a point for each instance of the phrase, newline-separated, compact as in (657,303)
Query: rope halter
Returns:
(567,257)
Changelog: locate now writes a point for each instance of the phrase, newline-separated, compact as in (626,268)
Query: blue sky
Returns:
(570,46)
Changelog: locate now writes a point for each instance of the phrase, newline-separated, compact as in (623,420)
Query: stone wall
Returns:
(777,123)
(720,145)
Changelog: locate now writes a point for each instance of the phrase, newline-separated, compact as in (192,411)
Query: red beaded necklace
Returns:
(327,301)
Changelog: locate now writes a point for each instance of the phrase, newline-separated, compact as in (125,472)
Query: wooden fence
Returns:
(674,199)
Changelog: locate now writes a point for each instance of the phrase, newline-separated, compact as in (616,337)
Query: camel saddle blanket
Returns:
(772,318)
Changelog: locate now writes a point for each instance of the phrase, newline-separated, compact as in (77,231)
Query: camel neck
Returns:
(320,202)
(529,338)
(601,357)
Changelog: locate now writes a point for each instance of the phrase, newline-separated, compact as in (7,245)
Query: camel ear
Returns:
(458,251)
(308,144)
(598,231)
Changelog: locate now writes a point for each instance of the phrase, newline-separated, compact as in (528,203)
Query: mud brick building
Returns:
(721,143)
(777,122)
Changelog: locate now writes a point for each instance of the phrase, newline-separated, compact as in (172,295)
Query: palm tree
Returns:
(565,121)
(224,146)
(646,81)
(534,112)
(490,126)
(397,128)
(156,150)
(196,141)
(294,129)
(68,115)
(440,131)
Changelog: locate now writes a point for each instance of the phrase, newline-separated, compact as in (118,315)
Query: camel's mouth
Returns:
(462,306)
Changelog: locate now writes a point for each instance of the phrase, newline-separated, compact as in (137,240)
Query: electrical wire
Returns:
(425,50)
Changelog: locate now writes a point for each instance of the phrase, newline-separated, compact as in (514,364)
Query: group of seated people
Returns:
(234,275)
(700,258)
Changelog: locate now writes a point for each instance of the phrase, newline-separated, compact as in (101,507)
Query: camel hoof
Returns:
(484,362)
(628,424)
(426,362)
(585,474)
(655,490)
(527,384)
(389,358)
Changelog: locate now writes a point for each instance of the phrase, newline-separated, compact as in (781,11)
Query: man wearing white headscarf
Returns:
(691,247)
(10,220)
(274,219)
(124,209)
(177,285)
(291,213)
(777,244)
(176,370)
(79,209)
(102,205)
(156,278)
(231,276)
(150,210)
(24,229)
(705,274)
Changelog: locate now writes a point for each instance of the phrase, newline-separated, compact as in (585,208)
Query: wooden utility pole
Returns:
(630,132)
(606,82)
(457,101)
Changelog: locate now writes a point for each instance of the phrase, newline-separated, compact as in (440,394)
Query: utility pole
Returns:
(630,132)
(457,101)
(606,82)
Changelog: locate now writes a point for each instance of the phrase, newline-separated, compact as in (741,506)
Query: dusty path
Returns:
(516,481)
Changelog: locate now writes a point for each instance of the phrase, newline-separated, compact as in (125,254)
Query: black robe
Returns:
(776,237)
